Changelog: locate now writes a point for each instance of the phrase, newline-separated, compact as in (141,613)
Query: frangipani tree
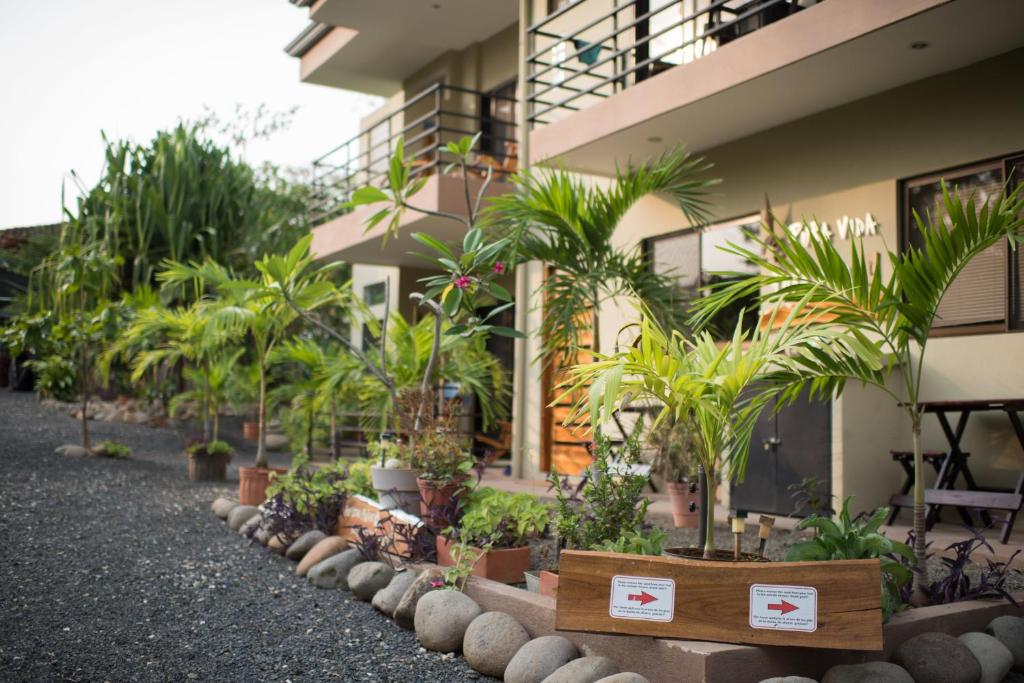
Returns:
(716,389)
(886,311)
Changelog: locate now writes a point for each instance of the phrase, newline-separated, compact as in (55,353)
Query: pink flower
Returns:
(499,267)
(462,282)
(436,583)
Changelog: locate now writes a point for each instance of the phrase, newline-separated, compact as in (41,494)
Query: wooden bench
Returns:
(906,461)
(1007,503)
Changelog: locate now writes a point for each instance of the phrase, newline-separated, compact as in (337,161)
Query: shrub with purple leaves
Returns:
(957,584)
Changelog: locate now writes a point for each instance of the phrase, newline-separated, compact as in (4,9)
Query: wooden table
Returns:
(1007,501)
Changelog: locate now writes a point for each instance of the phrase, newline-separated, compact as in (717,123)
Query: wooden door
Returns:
(564,447)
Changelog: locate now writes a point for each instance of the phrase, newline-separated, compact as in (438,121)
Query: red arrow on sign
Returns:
(644,597)
(784,607)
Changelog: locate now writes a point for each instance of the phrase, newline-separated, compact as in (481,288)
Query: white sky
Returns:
(71,68)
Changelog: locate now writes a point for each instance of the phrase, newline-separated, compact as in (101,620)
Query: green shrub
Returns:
(210,448)
(55,378)
(501,519)
(112,449)
(359,480)
(636,543)
(608,505)
(857,539)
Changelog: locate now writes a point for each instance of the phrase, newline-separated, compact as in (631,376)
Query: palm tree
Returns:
(556,217)
(716,389)
(160,336)
(211,387)
(885,311)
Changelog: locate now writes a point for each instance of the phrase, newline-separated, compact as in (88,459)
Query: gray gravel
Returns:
(117,570)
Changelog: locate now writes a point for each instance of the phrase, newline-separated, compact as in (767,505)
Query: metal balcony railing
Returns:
(588,50)
(427,123)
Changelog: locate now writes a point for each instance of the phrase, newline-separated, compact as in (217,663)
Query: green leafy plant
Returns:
(886,312)
(501,520)
(464,559)
(556,217)
(210,448)
(606,505)
(359,480)
(112,449)
(857,539)
(56,377)
(649,542)
(675,446)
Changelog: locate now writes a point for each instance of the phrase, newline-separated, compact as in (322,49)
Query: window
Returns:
(986,296)
(374,294)
(371,342)
(498,122)
(694,258)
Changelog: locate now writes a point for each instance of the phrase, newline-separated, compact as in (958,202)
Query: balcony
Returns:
(374,47)
(612,79)
(426,123)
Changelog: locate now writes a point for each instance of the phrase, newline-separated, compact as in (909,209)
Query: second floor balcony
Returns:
(613,79)
(426,124)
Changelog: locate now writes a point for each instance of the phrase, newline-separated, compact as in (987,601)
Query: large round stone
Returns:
(625,677)
(789,679)
(868,672)
(584,670)
(276,442)
(1010,632)
(540,658)
(240,515)
(222,507)
(249,529)
(303,543)
(938,658)
(491,642)
(995,658)
(369,577)
(442,618)
(332,545)
(334,571)
(428,580)
(386,600)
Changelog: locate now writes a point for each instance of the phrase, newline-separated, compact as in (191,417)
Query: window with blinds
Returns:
(695,259)
(986,296)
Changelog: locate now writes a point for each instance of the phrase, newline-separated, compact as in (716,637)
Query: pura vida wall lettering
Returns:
(846,227)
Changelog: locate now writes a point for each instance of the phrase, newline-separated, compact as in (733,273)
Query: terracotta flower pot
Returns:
(505,565)
(680,497)
(397,487)
(436,495)
(549,583)
(253,483)
(250,430)
(208,467)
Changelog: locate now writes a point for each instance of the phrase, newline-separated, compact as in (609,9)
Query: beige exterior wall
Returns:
(848,161)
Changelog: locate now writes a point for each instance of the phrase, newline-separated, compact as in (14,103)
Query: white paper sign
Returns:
(784,608)
(642,597)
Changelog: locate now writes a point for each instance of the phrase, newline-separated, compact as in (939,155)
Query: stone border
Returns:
(708,662)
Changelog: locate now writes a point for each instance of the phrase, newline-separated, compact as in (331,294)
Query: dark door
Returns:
(786,449)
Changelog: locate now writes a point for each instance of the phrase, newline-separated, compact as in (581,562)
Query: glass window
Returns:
(374,294)
(986,296)
(695,259)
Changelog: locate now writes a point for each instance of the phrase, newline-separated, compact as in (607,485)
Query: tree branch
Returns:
(481,192)
(439,214)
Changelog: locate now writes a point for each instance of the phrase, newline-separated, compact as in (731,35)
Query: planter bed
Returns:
(710,662)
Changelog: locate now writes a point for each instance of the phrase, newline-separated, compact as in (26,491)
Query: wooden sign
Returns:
(394,527)
(808,604)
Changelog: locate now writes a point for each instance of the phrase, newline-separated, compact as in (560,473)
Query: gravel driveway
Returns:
(118,571)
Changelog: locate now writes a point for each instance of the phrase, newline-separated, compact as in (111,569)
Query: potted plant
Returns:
(395,477)
(674,445)
(608,504)
(208,460)
(446,465)
(498,526)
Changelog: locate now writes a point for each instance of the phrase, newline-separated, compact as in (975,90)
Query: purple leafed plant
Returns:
(957,584)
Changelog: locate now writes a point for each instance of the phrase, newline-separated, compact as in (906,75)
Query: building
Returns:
(841,112)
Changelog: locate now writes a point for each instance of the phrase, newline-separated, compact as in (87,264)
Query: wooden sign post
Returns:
(809,604)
